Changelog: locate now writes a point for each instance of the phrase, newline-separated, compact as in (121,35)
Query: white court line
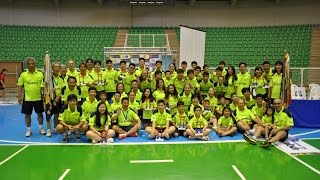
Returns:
(151,161)
(64,174)
(238,172)
(118,143)
(8,158)
(299,160)
(306,133)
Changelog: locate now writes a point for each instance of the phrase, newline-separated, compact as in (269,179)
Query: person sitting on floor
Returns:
(197,126)
(160,123)
(71,119)
(180,120)
(127,121)
(226,125)
(99,124)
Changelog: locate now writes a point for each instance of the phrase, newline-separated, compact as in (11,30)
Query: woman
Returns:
(172,98)
(99,123)
(276,82)
(172,69)
(258,83)
(147,105)
(186,97)
(229,82)
(159,93)
(144,81)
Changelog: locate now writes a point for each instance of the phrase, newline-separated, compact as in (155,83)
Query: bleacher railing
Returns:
(147,40)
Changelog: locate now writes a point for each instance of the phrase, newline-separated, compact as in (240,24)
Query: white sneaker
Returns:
(110,140)
(42,131)
(48,134)
(28,133)
(251,131)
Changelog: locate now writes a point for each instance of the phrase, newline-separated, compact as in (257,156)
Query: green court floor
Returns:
(189,161)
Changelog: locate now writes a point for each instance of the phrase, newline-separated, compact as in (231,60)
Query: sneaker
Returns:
(248,139)
(48,134)
(134,135)
(28,133)
(110,140)
(77,135)
(65,138)
(122,136)
(251,131)
(42,131)
(192,138)
(54,131)
(265,144)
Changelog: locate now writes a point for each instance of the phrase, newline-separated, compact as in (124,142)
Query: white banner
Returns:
(297,147)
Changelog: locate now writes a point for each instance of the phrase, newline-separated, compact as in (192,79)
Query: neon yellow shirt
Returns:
(32,84)
(161,118)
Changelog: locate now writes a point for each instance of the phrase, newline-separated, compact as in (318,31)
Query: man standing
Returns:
(30,84)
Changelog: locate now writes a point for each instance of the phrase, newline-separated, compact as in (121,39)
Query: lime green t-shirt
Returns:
(75,73)
(191,110)
(205,86)
(138,96)
(283,118)
(225,122)
(114,106)
(126,118)
(195,122)
(139,71)
(104,121)
(135,106)
(266,120)
(261,82)
(187,100)
(71,117)
(194,84)
(230,88)
(81,82)
(89,107)
(258,111)
(269,75)
(158,95)
(275,85)
(57,84)
(167,82)
(173,104)
(127,82)
(144,85)
(32,84)
(111,77)
(245,115)
(179,84)
(219,89)
(66,91)
(213,101)
(179,119)
(161,119)
(244,81)
(233,106)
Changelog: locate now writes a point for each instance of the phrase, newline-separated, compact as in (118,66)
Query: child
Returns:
(220,106)
(172,98)
(147,105)
(197,126)
(205,84)
(186,97)
(208,114)
(195,102)
(168,79)
(180,120)
(71,119)
(234,104)
(160,123)
(103,98)
(116,102)
(99,124)
(226,123)
(192,80)
(264,128)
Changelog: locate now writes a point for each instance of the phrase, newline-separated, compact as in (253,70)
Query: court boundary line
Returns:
(119,143)
(306,133)
(151,161)
(238,172)
(299,160)
(64,174)
(14,154)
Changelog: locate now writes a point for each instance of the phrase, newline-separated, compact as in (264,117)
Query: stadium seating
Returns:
(63,43)
(146,40)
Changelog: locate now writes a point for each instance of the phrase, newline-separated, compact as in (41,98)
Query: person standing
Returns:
(30,85)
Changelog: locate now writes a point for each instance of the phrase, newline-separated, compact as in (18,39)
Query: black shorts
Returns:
(179,132)
(28,106)
(160,130)
(126,128)
(283,139)
(56,109)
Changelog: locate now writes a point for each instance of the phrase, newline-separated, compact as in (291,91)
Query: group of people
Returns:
(104,103)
